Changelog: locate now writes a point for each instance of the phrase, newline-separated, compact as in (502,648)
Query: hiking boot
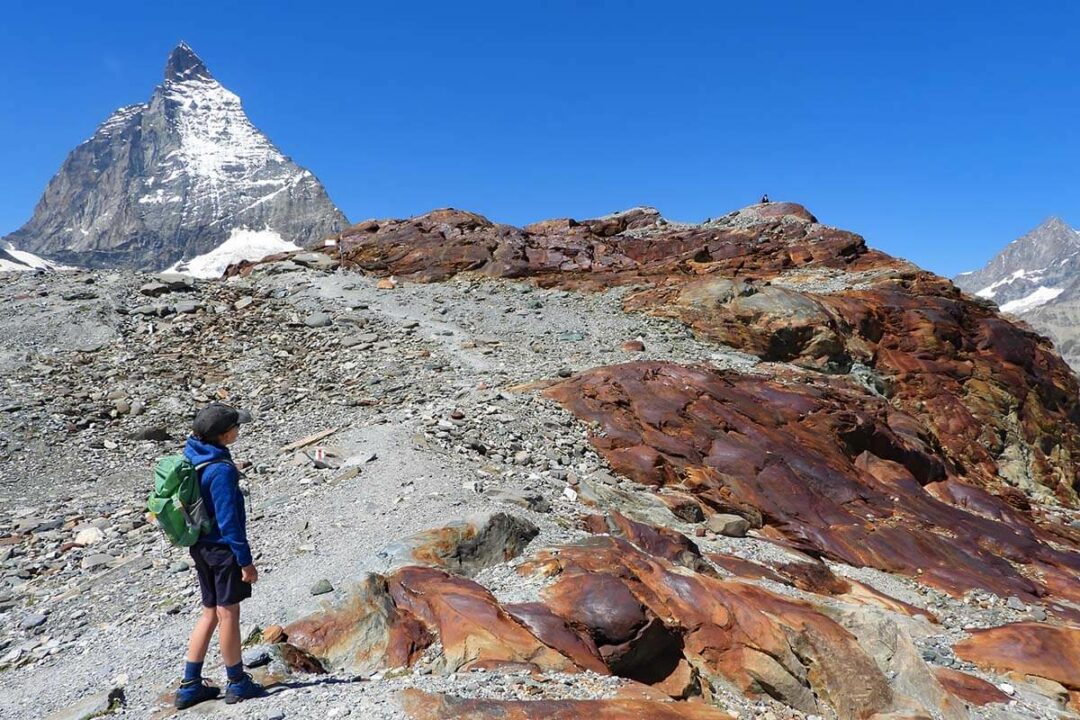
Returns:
(243,689)
(192,692)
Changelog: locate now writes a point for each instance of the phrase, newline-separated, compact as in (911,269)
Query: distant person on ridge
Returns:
(222,558)
(764,199)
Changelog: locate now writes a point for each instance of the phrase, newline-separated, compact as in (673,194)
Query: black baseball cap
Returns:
(218,418)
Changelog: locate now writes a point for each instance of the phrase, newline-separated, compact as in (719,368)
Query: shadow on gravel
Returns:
(273,687)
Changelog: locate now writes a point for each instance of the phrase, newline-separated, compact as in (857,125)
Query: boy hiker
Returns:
(222,557)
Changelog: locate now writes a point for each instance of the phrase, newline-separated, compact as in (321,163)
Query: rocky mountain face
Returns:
(1037,277)
(173,178)
(1031,270)
(618,468)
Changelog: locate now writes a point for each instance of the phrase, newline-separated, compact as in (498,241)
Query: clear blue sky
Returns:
(940,131)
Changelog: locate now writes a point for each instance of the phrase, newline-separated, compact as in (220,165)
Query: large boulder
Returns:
(363,631)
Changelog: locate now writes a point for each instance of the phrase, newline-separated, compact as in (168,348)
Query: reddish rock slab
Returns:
(846,589)
(659,541)
(364,632)
(760,642)
(629,247)
(836,471)
(423,706)
(386,622)
(772,281)
(603,604)
(814,577)
(470,623)
(295,659)
(745,568)
(1048,651)
(554,631)
(970,689)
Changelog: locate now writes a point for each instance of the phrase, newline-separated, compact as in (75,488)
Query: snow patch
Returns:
(1040,296)
(990,290)
(218,143)
(21,261)
(242,244)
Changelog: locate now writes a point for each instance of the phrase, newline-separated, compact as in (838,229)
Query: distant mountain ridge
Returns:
(1031,270)
(1037,276)
(172,179)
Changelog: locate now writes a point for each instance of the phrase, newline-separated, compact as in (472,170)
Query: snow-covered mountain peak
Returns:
(217,140)
(1035,269)
(171,179)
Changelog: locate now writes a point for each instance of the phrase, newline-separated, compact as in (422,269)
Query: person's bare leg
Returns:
(201,635)
(228,617)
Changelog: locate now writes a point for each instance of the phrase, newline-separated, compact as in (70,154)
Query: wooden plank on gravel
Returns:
(307,440)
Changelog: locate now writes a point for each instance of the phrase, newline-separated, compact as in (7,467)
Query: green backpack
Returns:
(176,504)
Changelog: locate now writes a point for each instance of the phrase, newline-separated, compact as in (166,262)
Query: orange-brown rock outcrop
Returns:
(770,280)
(1047,651)
(838,472)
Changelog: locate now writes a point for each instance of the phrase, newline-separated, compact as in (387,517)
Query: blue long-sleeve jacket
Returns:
(219,484)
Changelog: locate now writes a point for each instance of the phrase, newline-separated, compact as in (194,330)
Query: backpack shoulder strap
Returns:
(202,466)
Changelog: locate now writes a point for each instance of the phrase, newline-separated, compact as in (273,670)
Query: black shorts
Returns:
(219,575)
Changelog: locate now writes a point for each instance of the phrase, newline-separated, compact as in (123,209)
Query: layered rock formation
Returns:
(172,179)
(832,472)
(890,423)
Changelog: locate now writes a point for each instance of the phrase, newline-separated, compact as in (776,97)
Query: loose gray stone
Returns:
(318,320)
(91,562)
(315,261)
(156,434)
(186,307)
(256,656)
(49,525)
(729,525)
(322,587)
(32,621)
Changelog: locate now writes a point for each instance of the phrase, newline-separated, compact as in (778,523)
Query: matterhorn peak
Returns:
(174,179)
(184,64)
